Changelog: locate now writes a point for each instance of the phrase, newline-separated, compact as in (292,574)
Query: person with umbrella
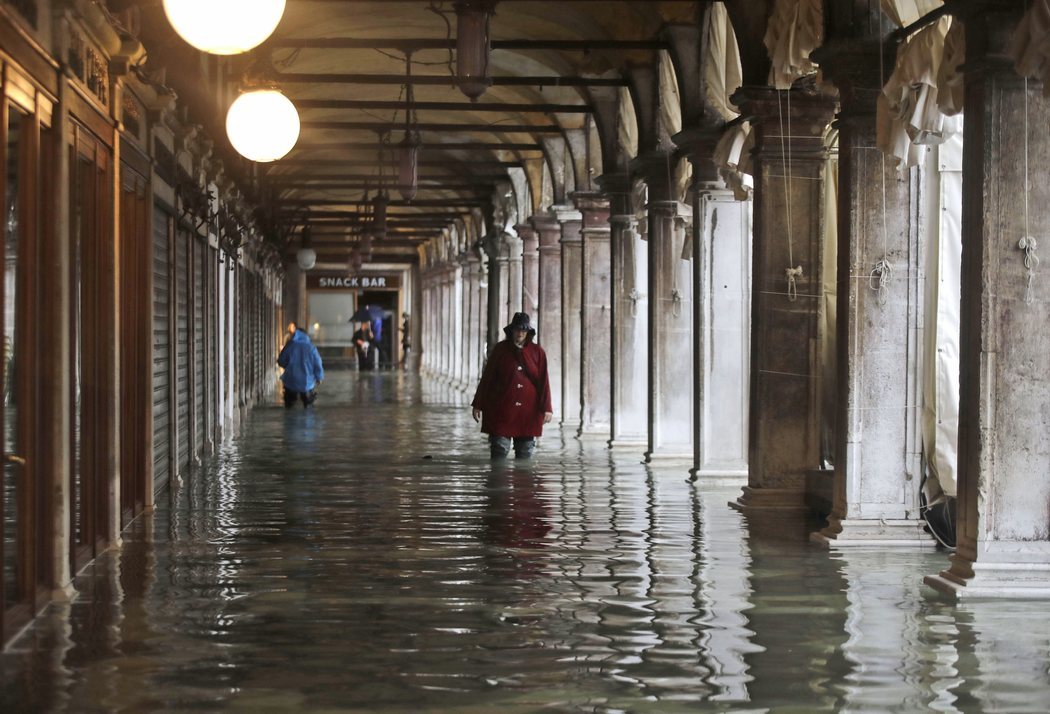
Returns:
(513,400)
(366,338)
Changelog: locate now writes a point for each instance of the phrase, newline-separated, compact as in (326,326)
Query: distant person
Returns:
(513,400)
(406,338)
(302,366)
(365,343)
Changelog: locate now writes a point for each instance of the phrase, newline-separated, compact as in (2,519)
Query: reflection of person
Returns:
(303,370)
(513,400)
(365,343)
(406,338)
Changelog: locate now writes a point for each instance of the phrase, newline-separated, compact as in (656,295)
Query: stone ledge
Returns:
(770,499)
(1013,581)
(871,533)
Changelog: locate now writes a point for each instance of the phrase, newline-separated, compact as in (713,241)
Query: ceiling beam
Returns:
(427,146)
(441,43)
(285,78)
(483,189)
(358,163)
(433,126)
(481,178)
(421,203)
(402,106)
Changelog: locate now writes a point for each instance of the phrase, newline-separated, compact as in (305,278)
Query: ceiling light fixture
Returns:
(307,256)
(408,150)
(224,27)
(473,46)
(262,124)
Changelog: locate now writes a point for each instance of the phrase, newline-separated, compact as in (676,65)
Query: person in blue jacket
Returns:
(303,370)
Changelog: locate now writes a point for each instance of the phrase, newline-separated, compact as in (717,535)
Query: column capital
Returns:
(595,209)
(566,213)
(699,144)
(572,229)
(852,65)
(549,231)
(989,33)
(657,170)
(804,109)
(618,187)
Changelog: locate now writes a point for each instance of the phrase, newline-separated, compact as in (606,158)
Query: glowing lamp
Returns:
(473,47)
(263,125)
(307,256)
(224,27)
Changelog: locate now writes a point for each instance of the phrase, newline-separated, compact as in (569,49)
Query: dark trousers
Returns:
(499,446)
(307,398)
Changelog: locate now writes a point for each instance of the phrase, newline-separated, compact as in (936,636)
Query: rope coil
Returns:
(880,277)
(1031,261)
(792,275)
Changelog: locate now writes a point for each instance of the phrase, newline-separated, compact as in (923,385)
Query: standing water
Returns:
(365,555)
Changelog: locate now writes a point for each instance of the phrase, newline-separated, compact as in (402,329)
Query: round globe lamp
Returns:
(263,125)
(224,27)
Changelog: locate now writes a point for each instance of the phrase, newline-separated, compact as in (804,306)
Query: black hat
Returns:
(520,321)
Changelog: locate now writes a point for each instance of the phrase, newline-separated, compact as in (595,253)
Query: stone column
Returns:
(571,222)
(721,249)
(455,334)
(548,320)
(629,358)
(782,434)
(496,283)
(596,316)
(463,337)
(474,321)
(877,453)
(447,321)
(514,276)
(1003,542)
(670,407)
(530,270)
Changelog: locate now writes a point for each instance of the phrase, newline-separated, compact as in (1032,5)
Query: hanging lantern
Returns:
(263,125)
(473,46)
(355,259)
(307,256)
(366,243)
(379,204)
(408,166)
(224,27)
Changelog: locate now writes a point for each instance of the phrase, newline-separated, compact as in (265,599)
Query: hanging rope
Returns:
(1028,242)
(793,274)
(882,273)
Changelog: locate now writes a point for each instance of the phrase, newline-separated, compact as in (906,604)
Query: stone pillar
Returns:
(782,435)
(447,321)
(596,316)
(877,453)
(721,249)
(571,222)
(530,270)
(629,358)
(514,276)
(670,407)
(455,333)
(474,321)
(463,336)
(548,319)
(1003,542)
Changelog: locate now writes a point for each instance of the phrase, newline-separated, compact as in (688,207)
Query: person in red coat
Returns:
(513,400)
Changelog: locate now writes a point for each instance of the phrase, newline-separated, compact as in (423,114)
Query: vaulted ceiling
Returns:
(342,62)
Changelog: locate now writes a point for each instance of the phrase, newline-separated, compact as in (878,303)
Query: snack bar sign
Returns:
(353,282)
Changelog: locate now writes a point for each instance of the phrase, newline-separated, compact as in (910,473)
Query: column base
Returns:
(725,477)
(872,533)
(64,593)
(572,425)
(666,456)
(593,432)
(632,443)
(1015,581)
(770,499)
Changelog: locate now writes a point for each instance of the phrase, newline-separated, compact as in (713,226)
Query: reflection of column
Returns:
(447,321)
(471,329)
(596,317)
(463,336)
(1003,542)
(722,590)
(629,358)
(877,459)
(572,303)
(785,306)
(548,319)
(670,318)
(721,249)
(530,270)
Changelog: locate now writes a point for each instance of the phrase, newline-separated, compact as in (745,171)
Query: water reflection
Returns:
(322,562)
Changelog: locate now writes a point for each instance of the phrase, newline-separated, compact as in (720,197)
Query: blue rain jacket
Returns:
(301,362)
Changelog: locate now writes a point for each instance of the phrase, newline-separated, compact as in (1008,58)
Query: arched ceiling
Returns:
(342,63)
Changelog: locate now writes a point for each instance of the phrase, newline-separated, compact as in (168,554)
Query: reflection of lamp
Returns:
(224,27)
(307,256)
(263,125)
(472,46)
(366,243)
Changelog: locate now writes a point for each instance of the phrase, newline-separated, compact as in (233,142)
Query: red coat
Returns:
(510,403)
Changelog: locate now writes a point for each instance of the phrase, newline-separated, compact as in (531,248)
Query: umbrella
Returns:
(372,315)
